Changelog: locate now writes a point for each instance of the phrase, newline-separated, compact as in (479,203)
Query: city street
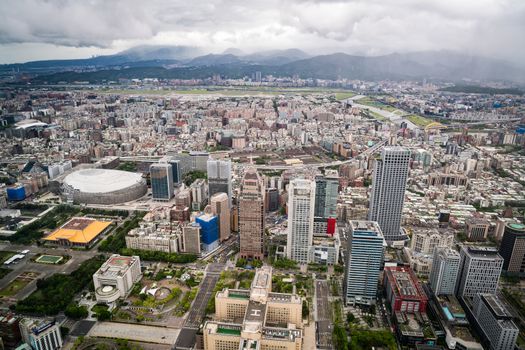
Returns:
(323,315)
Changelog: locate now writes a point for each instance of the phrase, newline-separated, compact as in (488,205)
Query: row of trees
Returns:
(55,293)
(149,255)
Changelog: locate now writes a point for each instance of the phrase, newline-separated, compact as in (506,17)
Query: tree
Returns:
(350,317)
(103,315)
(76,311)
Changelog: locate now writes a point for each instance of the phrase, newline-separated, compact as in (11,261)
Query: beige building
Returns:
(251,215)
(477,229)
(255,318)
(191,238)
(220,208)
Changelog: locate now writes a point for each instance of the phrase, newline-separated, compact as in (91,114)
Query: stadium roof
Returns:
(102,180)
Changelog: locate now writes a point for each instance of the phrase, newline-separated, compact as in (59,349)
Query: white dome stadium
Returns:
(103,186)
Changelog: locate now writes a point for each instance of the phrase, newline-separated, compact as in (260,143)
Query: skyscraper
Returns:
(301,205)
(512,249)
(251,215)
(161,181)
(363,262)
(220,207)
(176,170)
(388,192)
(479,271)
(219,177)
(326,191)
(444,273)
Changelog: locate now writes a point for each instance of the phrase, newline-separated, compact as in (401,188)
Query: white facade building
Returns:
(301,203)
(148,237)
(115,278)
(495,322)
(479,271)
(444,273)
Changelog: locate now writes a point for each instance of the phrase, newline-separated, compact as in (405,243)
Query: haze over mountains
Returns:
(192,62)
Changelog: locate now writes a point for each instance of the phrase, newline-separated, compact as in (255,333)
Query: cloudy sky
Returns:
(46,29)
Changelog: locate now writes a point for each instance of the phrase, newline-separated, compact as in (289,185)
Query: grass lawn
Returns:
(418,120)
(14,287)
(4,255)
(373,103)
(343,95)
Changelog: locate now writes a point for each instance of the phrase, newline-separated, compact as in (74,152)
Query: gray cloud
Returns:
(489,27)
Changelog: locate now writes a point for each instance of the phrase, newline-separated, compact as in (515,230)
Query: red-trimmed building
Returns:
(403,290)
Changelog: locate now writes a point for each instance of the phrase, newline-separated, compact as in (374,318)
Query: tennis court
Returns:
(49,259)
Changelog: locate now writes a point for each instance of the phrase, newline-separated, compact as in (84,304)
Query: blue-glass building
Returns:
(363,262)
(209,224)
(16,193)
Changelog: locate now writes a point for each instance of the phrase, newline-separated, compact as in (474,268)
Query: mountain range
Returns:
(182,62)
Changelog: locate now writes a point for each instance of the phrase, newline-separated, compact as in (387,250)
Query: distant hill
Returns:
(475,89)
(173,62)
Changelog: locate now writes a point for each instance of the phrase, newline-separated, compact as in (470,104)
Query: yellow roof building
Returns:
(78,231)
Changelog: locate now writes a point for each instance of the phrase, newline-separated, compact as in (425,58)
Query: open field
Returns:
(373,103)
(418,120)
(343,95)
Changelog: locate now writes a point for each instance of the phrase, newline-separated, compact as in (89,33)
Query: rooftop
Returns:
(79,230)
(102,180)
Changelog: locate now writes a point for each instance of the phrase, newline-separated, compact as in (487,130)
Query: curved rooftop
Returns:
(102,180)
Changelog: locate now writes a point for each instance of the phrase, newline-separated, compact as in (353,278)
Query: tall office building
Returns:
(512,249)
(220,208)
(444,273)
(301,205)
(326,192)
(41,334)
(161,181)
(495,322)
(479,271)
(363,262)
(388,192)
(220,177)
(251,215)
(176,170)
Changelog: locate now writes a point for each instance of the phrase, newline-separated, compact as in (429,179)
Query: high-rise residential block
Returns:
(364,257)
(251,215)
(388,192)
(495,322)
(479,270)
(161,176)
(512,249)
(301,205)
(220,177)
(445,269)
(220,208)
